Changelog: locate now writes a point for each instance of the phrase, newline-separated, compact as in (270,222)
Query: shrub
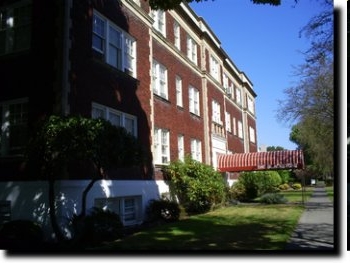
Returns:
(273,198)
(296,186)
(164,210)
(284,186)
(238,192)
(98,226)
(21,234)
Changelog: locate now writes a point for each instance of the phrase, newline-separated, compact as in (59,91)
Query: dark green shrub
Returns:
(22,234)
(238,192)
(97,227)
(164,210)
(273,198)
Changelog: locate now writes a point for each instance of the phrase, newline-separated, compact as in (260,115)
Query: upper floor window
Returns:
(250,102)
(193,95)
(117,118)
(15,27)
(240,129)
(238,96)
(161,146)
(234,126)
(196,150)
(118,47)
(191,49)
(178,83)
(14,126)
(159,21)
(177,35)
(180,147)
(216,112)
(252,134)
(228,122)
(159,79)
(214,68)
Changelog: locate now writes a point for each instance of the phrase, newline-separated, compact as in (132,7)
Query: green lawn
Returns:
(330,193)
(240,227)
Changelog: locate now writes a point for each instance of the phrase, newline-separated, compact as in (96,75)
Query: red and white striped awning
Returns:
(254,161)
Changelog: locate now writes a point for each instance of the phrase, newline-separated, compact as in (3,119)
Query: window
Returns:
(159,80)
(178,85)
(234,126)
(191,50)
(250,103)
(238,96)
(177,35)
(13,121)
(15,27)
(214,68)
(240,130)
(252,134)
(116,46)
(129,208)
(196,150)
(216,113)
(180,147)
(228,122)
(194,100)
(228,87)
(117,118)
(159,21)
(161,146)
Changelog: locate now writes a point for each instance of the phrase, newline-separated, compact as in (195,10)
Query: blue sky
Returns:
(263,41)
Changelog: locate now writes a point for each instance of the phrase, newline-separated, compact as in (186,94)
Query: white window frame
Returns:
(250,103)
(214,68)
(196,150)
(234,126)
(160,79)
(129,215)
(238,95)
(228,122)
(15,37)
(177,35)
(181,147)
(124,58)
(159,21)
(161,146)
(252,134)
(216,112)
(9,120)
(191,49)
(240,129)
(194,103)
(110,114)
(178,84)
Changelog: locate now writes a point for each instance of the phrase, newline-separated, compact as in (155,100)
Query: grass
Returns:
(330,192)
(296,196)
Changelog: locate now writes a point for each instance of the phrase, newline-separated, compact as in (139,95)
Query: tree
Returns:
(274,148)
(61,142)
(310,102)
(172,4)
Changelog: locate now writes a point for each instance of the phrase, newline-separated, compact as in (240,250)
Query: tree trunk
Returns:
(52,209)
(85,192)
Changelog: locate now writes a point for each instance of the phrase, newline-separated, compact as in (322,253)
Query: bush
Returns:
(273,198)
(296,186)
(238,192)
(21,234)
(163,210)
(97,227)
(284,187)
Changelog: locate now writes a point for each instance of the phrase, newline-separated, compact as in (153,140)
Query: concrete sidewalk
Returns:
(315,229)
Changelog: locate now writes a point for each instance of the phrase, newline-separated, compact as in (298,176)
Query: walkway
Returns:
(315,230)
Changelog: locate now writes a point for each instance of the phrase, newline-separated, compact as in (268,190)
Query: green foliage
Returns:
(285,176)
(63,140)
(283,187)
(273,198)
(198,186)
(296,186)
(250,185)
(97,227)
(164,210)
(20,234)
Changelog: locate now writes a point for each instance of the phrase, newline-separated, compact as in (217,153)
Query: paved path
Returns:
(315,229)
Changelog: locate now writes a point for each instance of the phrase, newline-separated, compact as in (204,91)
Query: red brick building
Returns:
(162,75)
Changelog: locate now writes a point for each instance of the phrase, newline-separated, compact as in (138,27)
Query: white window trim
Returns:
(191,49)
(178,84)
(177,35)
(160,86)
(216,112)
(250,102)
(238,95)
(123,116)
(252,134)
(127,46)
(240,129)
(196,150)
(156,14)
(160,144)
(181,147)
(228,122)
(214,68)
(194,103)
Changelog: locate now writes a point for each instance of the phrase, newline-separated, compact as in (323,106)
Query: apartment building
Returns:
(162,75)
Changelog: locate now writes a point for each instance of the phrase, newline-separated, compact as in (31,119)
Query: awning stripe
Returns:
(261,161)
